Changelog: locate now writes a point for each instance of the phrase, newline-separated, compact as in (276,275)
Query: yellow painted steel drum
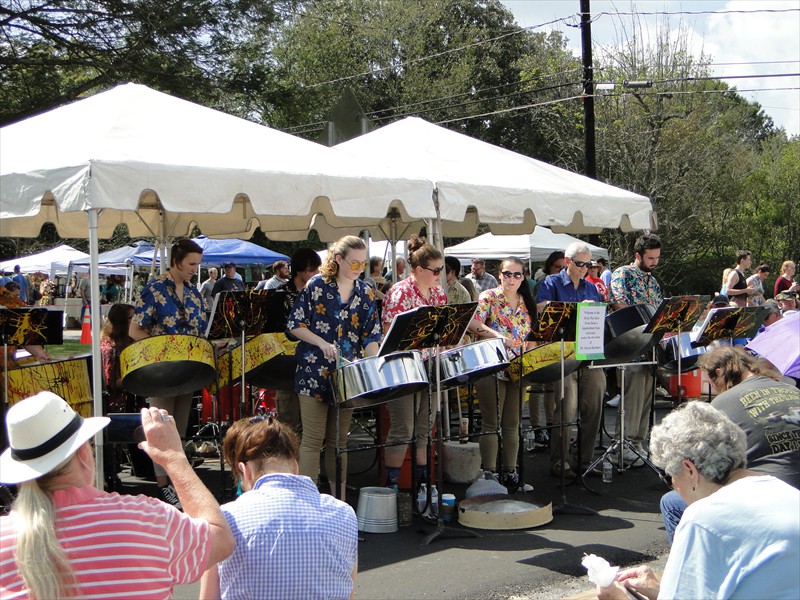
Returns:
(277,373)
(66,378)
(543,363)
(167,365)
(258,351)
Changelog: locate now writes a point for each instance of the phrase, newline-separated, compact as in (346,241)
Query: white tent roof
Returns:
(132,151)
(510,192)
(43,261)
(536,246)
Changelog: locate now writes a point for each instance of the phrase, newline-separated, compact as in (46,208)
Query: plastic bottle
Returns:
(434,500)
(608,470)
(422,497)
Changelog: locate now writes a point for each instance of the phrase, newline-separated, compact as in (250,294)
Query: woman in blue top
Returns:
(335,308)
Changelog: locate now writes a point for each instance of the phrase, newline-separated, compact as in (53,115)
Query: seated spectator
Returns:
(746,389)
(739,536)
(787,301)
(64,538)
(291,541)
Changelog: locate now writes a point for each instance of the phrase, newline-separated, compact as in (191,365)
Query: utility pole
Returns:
(588,90)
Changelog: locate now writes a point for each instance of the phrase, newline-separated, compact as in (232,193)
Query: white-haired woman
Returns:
(740,534)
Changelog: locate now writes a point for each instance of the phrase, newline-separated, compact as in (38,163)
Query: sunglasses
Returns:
(357,265)
(510,274)
(581,264)
(435,271)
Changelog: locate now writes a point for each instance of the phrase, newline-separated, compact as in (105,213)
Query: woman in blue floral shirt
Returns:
(335,307)
(171,304)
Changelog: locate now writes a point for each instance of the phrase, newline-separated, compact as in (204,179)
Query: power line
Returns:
(435,55)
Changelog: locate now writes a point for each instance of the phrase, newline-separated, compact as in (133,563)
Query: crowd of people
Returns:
(722,459)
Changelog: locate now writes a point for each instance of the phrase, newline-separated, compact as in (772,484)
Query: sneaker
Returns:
(660,391)
(614,402)
(631,458)
(541,437)
(196,461)
(170,496)
(512,483)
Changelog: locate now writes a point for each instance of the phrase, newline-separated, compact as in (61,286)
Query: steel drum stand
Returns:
(441,528)
(619,445)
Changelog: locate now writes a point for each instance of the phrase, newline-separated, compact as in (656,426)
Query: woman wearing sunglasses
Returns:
(335,311)
(421,288)
(505,312)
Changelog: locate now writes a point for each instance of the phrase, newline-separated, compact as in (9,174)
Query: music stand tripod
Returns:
(557,322)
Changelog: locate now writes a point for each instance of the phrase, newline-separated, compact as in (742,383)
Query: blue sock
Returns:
(392,476)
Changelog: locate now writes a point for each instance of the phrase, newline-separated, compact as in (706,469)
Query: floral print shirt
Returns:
(159,310)
(353,325)
(630,285)
(404,296)
(495,312)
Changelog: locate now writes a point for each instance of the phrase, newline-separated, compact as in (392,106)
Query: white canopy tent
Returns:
(479,182)
(535,247)
(53,261)
(161,165)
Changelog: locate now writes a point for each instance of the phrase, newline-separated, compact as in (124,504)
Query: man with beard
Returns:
(635,284)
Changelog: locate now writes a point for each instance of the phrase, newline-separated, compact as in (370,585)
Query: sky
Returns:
(770,39)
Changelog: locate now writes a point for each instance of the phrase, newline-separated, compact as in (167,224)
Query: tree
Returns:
(57,51)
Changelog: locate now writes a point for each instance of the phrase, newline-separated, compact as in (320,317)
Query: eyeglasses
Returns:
(357,265)
(510,274)
(436,271)
(581,264)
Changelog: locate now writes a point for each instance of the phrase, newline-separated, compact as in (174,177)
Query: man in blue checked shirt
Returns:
(291,541)
(570,285)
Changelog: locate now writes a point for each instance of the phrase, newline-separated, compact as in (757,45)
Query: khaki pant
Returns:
(589,396)
(319,426)
(179,407)
(288,404)
(638,400)
(507,399)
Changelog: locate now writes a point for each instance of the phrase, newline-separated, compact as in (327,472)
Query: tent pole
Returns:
(96,315)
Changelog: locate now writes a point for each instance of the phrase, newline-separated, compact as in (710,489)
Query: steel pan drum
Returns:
(67,378)
(468,363)
(624,332)
(543,363)
(258,350)
(278,372)
(167,365)
(668,353)
(378,379)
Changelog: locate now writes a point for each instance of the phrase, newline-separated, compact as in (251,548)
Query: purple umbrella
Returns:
(780,344)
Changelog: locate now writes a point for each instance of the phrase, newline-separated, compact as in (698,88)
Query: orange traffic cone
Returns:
(86,329)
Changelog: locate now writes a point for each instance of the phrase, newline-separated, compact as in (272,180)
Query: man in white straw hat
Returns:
(64,537)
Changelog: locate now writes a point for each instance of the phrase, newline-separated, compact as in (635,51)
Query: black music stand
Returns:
(431,327)
(558,322)
(237,314)
(28,327)
(676,315)
(730,322)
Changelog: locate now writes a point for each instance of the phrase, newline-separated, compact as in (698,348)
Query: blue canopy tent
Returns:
(137,254)
(216,252)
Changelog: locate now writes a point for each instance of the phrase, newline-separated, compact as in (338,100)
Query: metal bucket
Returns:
(377,510)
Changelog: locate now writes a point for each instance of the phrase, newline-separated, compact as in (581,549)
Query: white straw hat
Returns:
(43,432)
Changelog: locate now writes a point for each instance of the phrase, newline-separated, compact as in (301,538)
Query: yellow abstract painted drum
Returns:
(278,373)
(67,378)
(258,351)
(167,365)
(543,363)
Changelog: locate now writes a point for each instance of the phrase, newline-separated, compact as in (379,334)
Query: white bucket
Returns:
(377,510)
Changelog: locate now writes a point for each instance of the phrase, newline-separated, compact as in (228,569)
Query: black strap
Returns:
(51,444)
